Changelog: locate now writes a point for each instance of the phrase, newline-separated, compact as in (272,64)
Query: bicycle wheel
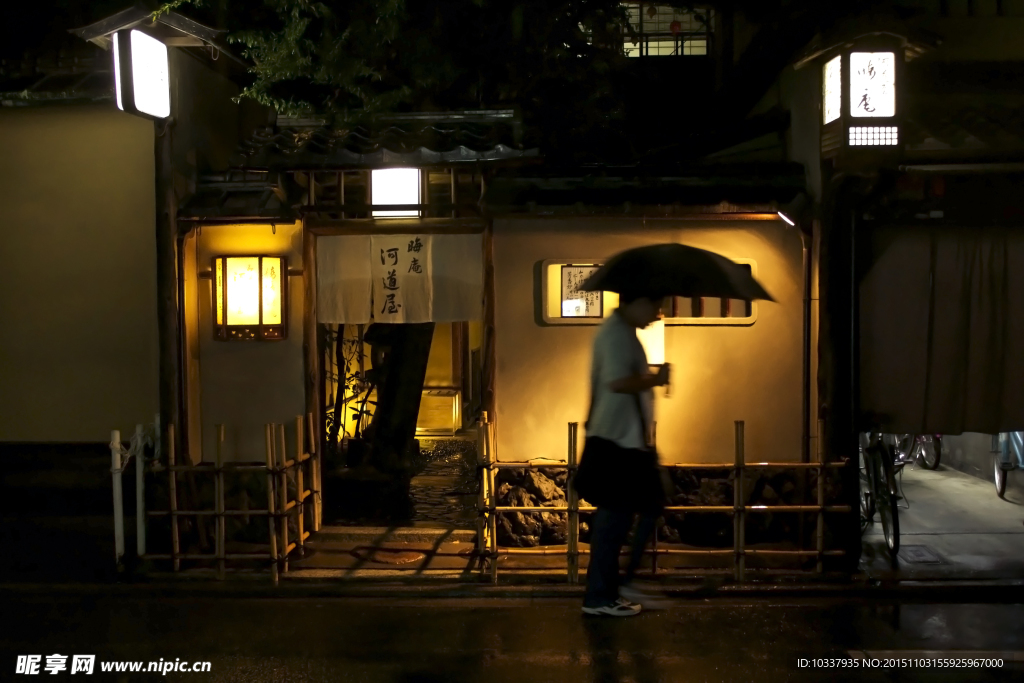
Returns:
(929,450)
(885,488)
(903,446)
(867,496)
(1000,478)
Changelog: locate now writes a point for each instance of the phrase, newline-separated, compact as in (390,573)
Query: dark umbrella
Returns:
(676,270)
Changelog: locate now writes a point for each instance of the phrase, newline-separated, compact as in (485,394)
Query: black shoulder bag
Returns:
(617,478)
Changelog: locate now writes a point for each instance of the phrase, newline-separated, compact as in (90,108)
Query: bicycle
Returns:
(924,450)
(1002,463)
(878,492)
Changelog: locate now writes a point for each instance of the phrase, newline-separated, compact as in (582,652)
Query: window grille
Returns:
(661,31)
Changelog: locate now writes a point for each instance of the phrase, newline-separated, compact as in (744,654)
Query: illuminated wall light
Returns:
(249,294)
(141,75)
(395,186)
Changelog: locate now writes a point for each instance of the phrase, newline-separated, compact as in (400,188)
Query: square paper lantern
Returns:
(249,297)
(141,82)
(395,186)
(860,104)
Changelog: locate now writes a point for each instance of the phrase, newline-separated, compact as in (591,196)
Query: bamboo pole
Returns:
(270,503)
(219,503)
(282,457)
(482,498)
(316,474)
(175,541)
(820,531)
(573,531)
(739,519)
(115,473)
(299,488)
(140,493)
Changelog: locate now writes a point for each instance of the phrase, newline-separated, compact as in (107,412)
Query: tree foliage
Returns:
(556,60)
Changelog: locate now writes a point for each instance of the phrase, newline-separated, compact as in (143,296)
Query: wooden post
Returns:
(573,532)
(300,490)
(175,542)
(282,458)
(311,351)
(738,521)
(219,504)
(166,278)
(269,439)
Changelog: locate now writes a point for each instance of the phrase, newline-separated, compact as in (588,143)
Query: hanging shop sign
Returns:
(410,278)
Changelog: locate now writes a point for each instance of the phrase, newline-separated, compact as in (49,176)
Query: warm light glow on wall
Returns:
(873,84)
(652,338)
(832,89)
(395,186)
(141,74)
(249,295)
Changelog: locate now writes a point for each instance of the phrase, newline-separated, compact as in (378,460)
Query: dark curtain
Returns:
(942,329)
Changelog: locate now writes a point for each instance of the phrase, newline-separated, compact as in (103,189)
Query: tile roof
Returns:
(233,195)
(411,139)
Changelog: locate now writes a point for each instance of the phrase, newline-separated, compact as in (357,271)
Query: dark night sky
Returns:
(28,24)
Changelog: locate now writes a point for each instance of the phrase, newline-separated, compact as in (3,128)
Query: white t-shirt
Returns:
(617,354)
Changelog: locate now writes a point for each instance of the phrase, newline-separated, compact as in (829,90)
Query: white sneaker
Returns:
(619,608)
(646,597)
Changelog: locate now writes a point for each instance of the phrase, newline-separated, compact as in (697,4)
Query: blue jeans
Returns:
(608,532)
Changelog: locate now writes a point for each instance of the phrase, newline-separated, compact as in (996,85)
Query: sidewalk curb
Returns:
(937,591)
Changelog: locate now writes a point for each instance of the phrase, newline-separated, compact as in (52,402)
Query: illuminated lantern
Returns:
(395,186)
(860,103)
(249,297)
(141,81)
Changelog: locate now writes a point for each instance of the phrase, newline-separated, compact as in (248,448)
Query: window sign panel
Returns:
(576,303)
(832,90)
(872,84)
(271,290)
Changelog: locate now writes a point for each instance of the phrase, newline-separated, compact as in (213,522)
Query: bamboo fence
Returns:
(487,538)
(300,502)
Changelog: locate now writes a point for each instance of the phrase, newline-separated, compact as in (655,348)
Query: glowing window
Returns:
(395,186)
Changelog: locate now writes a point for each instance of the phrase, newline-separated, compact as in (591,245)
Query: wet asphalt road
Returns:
(494,640)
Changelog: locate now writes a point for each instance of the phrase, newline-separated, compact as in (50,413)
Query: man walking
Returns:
(621,413)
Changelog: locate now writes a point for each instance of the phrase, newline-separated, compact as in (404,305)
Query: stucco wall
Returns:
(244,385)
(720,374)
(78,338)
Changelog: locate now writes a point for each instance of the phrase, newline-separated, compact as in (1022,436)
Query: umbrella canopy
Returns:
(675,270)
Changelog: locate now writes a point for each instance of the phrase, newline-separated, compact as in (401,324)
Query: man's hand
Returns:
(662,374)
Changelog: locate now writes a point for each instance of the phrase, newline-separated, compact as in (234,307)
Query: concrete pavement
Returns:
(521,640)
